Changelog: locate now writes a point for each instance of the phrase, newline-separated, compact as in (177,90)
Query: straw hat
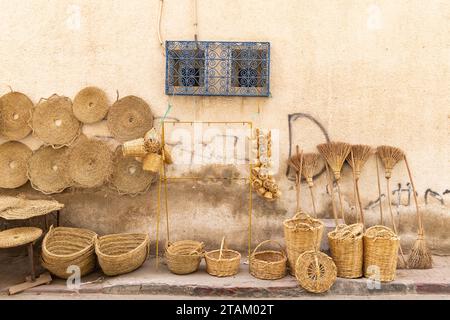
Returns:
(13,164)
(47,170)
(128,176)
(15,112)
(89,163)
(90,105)
(129,118)
(54,123)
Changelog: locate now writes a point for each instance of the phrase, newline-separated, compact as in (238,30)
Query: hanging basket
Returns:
(381,246)
(122,253)
(134,148)
(302,233)
(184,257)
(268,264)
(315,271)
(346,245)
(15,113)
(152,162)
(223,262)
(64,247)
(14,157)
(90,105)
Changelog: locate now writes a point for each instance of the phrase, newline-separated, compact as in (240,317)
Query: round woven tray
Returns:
(129,118)
(18,237)
(47,170)
(128,177)
(15,113)
(90,163)
(53,121)
(13,164)
(90,105)
(315,271)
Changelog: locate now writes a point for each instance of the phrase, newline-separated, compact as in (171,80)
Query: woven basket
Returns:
(346,245)
(14,156)
(268,264)
(15,113)
(134,148)
(315,271)
(222,262)
(302,233)
(19,236)
(64,247)
(381,246)
(184,257)
(152,162)
(122,253)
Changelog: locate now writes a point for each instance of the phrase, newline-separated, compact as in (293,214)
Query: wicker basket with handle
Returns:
(268,264)
(184,257)
(222,262)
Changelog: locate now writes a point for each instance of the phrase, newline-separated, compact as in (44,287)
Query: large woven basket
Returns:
(268,264)
(222,262)
(64,247)
(302,233)
(184,257)
(122,253)
(381,246)
(315,271)
(346,245)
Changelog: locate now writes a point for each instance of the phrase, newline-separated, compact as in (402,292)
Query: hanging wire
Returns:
(196,20)
(161,5)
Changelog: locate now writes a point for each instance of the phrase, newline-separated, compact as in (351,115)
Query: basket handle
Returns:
(221,248)
(268,241)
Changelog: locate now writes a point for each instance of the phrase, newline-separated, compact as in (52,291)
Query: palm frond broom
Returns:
(335,154)
(296,162)
(420,256)
(390,156)
(310,165)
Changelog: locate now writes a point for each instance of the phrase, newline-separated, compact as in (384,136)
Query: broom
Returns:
(335,154)
(359,155)
(390,156)
(330,182)
(420,256)
(296,162)
(310,164)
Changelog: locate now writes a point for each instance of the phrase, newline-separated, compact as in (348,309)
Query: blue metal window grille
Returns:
(207,68)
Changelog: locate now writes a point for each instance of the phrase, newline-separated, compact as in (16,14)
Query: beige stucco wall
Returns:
(373,72)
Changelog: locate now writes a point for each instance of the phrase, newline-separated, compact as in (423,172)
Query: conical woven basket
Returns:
(128,176)
(129,118)
(15,113)
(54,123)
(90,105)
(184,257)
(268,264)
(302,233)
(12,238)
(65,247)
(90,163)
(135,148)
(346,245)
(122,253)
(14,157)
(47,170)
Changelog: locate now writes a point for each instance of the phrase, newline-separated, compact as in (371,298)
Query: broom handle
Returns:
(313,201)
(333,205)
(379,190)
(340,201)
(355,191)
(419,216)
(299,178)
(392,218)
(359,201)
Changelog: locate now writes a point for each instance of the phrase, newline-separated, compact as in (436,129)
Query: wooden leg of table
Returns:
(46,222)
(31,258)
(57,218)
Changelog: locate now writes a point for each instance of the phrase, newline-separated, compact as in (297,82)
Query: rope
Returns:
(161,43)
(196,20)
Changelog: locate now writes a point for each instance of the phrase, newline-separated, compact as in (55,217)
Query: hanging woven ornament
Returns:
(129,118)
(47,170)
(13,164)
(15,113)
(53,121)
(128,177)
(90,105)
(90,163)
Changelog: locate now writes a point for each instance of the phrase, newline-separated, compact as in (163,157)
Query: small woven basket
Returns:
(134,148)
(315,271)
(346,245)
(268,264)
(64,247)
(302,233)
(152,162)
(122,253)
(381,246)
(222,262)
(184,257)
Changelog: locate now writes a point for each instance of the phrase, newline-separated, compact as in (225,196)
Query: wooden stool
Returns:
(18,237)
